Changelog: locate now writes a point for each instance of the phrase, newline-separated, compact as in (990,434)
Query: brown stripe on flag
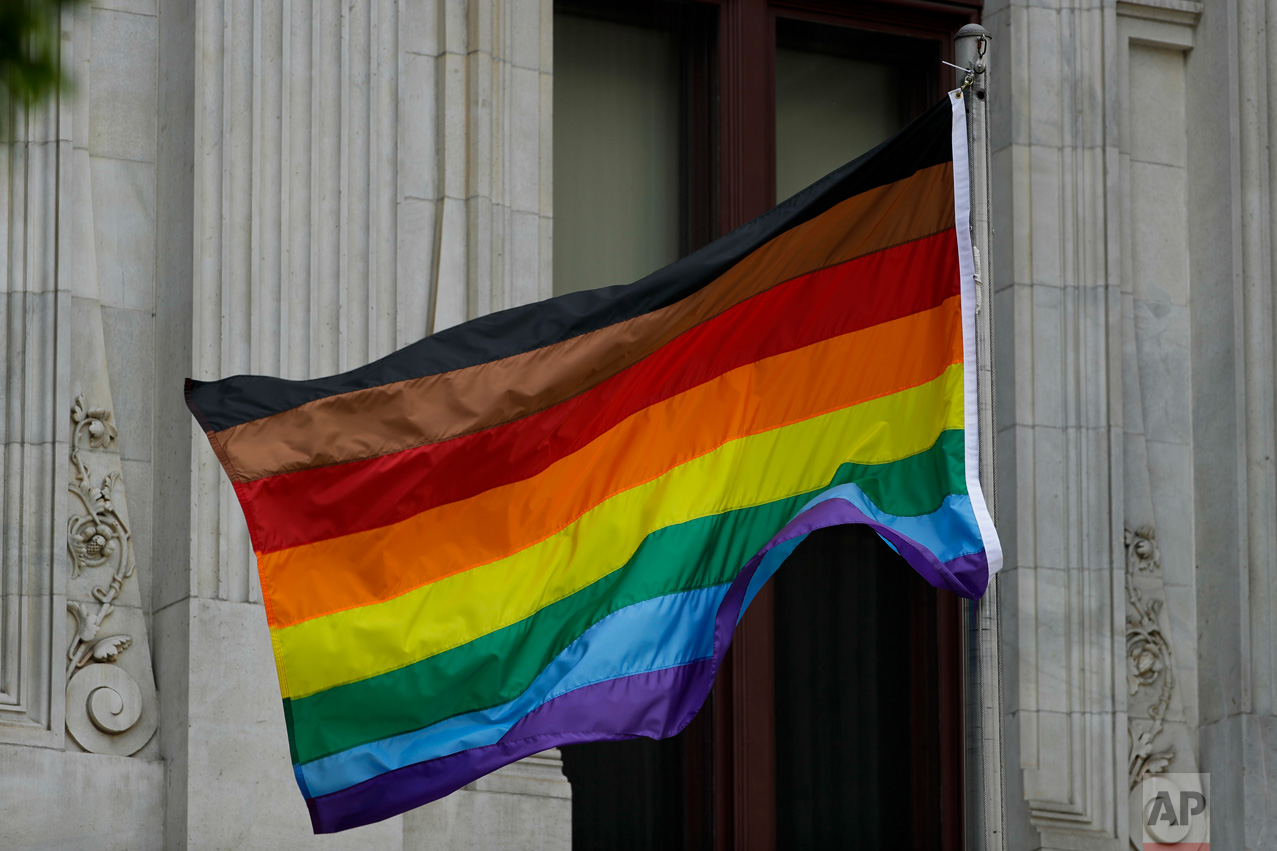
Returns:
(402,415)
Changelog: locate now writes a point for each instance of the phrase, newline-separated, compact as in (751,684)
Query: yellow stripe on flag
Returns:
(370,640)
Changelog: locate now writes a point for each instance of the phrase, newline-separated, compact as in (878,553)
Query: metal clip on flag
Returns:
(541,527)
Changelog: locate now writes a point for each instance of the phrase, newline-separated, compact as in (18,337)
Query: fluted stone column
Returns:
(336,180)
(1232,125)
(1094,309)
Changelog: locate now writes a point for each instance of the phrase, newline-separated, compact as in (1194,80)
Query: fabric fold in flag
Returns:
(542,526)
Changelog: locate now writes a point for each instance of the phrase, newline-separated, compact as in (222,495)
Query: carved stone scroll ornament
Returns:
(1149,663)
(104,703)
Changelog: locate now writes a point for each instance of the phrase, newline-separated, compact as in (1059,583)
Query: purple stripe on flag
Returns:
(967,576)
(656,704)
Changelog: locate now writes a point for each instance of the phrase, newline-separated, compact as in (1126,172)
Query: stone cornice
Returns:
(1184,12)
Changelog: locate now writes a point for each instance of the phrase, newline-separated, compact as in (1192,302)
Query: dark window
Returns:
(836,719)
(632,164)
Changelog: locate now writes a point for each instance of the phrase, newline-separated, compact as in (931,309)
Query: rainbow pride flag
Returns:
(541,527)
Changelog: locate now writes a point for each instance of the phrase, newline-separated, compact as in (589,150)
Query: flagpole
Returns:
(985,807)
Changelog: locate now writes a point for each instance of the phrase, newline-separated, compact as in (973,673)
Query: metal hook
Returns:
(970,72)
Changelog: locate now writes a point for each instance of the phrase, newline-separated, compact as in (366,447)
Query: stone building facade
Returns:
(296,187)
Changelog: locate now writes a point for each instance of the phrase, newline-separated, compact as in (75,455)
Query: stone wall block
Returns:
(418,240)
(242,792)
(1156,119)
(1159,233)
(36,783)
(122,116)
(124,231)
(1162,358)
(418,137)
(1044,78)
(1045,205)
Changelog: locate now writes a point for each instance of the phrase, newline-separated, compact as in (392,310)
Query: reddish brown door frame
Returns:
(948,623)
(730,748)
(743,711)
(747,112)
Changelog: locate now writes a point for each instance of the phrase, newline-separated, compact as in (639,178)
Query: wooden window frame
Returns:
(728,178)
(742,704)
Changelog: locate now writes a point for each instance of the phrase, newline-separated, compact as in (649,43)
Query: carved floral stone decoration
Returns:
(98,691)
(100,536)
(1148,658)
(1142,554)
